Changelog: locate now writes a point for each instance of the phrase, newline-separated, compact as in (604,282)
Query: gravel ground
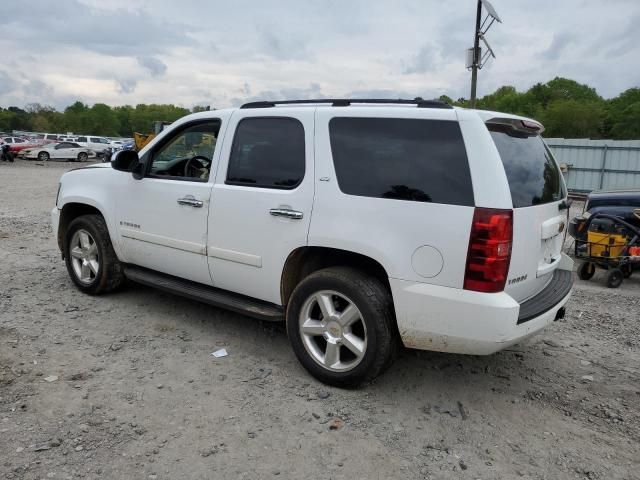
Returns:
(124,386)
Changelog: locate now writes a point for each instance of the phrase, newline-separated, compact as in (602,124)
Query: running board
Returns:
(203,293)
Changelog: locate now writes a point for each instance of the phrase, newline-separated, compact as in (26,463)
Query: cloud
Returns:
(37,88)
(313,91)
(558,45)
(48,25)
(227,53)
(155,66)
(282,45)
(126,85)
(7,83)
(427,59)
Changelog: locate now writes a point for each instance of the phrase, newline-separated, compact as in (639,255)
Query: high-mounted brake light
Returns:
(489,252)
(531,125)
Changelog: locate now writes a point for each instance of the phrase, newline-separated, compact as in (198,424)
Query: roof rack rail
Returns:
(345,102)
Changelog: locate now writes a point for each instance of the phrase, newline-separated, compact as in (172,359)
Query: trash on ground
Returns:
(220,353)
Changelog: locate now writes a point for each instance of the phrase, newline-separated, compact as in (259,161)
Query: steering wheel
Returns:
(196,166)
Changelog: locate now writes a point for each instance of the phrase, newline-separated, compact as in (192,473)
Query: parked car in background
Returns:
(17,148)
(61,151)
(95,143)
(13,140)
(47,137)
(100,145)
(623,203)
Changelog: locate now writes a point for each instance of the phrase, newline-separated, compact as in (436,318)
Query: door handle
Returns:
(287,213)
(191,201)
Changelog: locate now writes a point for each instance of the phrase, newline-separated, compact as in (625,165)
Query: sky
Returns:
(224,53)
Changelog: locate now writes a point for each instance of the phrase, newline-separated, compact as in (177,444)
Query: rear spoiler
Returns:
(519,124)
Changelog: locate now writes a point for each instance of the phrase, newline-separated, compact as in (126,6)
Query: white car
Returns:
(13,140)
(95,143)
(62,150)
(361,223)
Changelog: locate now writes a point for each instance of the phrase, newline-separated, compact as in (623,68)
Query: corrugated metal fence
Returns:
(597,164)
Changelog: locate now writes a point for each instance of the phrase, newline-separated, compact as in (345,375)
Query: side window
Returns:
(187,154)
(267,152)
(401,159)
(82,139)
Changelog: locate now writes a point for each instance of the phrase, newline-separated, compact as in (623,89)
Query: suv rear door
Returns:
(538,193)
(262,199)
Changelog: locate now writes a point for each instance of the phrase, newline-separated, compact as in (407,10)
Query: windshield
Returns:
(533,174)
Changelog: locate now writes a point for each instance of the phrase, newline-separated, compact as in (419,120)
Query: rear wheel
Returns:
(82,157)
(340,323)
(91,261)
(43,156)
(586,270)
(627,270)
(614,278)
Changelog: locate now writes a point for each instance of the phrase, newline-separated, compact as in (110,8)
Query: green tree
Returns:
(573,119)
(6,119)
(627,124)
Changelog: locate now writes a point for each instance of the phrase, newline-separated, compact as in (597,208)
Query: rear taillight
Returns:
(489,250)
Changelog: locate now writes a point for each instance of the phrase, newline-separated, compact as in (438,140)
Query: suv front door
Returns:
(262,199)
(162,218)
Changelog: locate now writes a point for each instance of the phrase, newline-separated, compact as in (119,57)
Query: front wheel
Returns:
(614,278)
(340,322)
(89,256)
(43,156)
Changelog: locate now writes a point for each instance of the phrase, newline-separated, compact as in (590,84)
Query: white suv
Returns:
(361,223)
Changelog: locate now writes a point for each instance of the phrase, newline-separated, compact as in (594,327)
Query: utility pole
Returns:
(476,59)
(476,55)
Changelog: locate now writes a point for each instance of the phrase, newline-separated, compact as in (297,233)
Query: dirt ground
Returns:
(124,387)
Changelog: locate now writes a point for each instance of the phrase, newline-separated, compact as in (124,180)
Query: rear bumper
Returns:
(444,319)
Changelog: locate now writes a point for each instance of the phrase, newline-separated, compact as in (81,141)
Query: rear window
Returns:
(533,175)
(401,159)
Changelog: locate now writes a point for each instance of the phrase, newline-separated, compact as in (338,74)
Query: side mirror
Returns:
(128,161)
(124,160)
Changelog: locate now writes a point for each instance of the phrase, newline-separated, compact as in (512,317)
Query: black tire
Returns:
(110,273)
(586,270)
(43,156)
(83,157)
(614,278)
(375,304)
(627,270)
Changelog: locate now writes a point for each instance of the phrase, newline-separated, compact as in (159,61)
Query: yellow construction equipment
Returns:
(141,139)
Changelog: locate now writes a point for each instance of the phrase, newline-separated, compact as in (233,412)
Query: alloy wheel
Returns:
(333,331)
(85,258)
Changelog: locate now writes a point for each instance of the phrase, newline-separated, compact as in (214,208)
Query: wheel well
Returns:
(70,212)
(306,260)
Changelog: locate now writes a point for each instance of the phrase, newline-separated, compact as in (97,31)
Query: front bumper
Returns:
(444,319)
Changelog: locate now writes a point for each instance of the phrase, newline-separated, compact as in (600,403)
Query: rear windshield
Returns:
(401,159)
(533,174)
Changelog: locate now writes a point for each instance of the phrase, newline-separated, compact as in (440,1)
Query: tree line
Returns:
(566,108)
